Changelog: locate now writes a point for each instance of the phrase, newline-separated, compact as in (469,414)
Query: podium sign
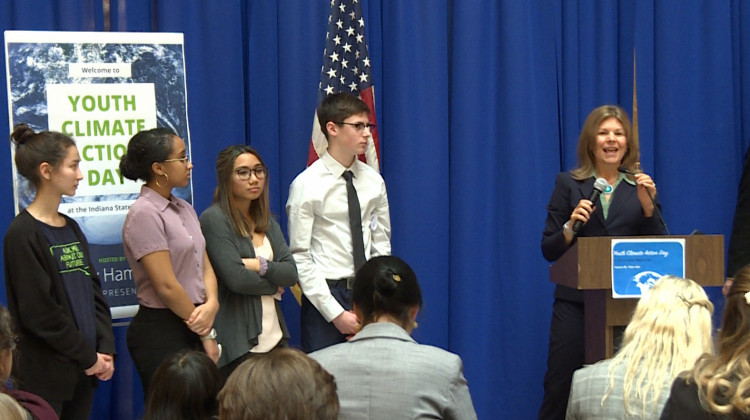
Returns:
(638,263)
(588,266)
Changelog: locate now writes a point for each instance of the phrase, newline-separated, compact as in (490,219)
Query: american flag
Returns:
(346,68)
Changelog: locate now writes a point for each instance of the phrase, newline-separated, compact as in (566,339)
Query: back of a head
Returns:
(7,339)
(10,409)
(669,331)
(7,342)
(723,379)
(672,320)
(184,387)
(284,384)
(386,285)
(734,336)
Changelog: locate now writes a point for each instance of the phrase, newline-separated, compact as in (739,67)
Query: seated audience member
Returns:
(283,384)
(717,387)
(10,409)
(669,331)
(184,387)
(382,373)
(37,407)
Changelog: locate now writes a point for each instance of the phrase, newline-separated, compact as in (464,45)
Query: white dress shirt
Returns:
(319,234)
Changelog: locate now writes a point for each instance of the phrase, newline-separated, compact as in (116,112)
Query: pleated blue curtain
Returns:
(594,64)
(691,74)
(740,16)
(479,105)
(504,152)
(688,101)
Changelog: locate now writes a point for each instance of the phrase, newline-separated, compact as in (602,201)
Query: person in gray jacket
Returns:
(250,256)
(670,329)
(381,372)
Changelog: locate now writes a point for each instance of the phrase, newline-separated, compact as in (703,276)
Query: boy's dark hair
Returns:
(338,107)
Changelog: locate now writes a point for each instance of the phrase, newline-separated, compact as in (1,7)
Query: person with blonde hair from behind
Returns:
(283,384)
(669,331)
(718,386)
(10,409)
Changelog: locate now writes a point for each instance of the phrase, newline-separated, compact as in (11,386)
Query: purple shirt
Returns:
(155,223)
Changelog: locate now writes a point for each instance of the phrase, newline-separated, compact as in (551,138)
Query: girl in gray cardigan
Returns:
(250,256)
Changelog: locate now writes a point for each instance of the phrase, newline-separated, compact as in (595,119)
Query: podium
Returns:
(587,266)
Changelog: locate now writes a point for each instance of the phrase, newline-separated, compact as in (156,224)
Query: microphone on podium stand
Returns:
(651,197)
(600,185)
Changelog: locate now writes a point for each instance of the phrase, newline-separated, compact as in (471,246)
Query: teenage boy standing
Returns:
(338,218)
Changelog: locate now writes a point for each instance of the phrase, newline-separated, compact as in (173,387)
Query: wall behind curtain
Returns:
(479,106)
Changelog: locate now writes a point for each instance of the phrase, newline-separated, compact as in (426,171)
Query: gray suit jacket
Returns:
(382,373)
(590,383)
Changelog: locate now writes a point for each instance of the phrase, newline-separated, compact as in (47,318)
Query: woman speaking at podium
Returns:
(624,208)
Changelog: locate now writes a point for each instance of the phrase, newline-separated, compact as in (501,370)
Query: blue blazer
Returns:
(625,218)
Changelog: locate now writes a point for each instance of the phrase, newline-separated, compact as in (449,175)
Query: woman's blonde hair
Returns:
(723,379)
(669,331)
(587,140)
(10,409)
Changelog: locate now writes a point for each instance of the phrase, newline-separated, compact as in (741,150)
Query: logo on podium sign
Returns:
(638,263)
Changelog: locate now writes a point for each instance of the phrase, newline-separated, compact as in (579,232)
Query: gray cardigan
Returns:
(238,322)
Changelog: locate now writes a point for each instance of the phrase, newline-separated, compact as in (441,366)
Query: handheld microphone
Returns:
(599,186)
(651,197)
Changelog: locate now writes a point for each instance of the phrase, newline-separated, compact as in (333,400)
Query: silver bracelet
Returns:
(567,229)
(210,336)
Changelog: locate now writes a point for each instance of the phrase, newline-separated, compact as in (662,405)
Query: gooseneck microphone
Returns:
(651,197)
(625,170)
(599,186)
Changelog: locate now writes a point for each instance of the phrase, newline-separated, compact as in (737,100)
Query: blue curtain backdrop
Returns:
(479,105)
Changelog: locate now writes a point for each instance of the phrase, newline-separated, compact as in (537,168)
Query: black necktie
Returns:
(355,222)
